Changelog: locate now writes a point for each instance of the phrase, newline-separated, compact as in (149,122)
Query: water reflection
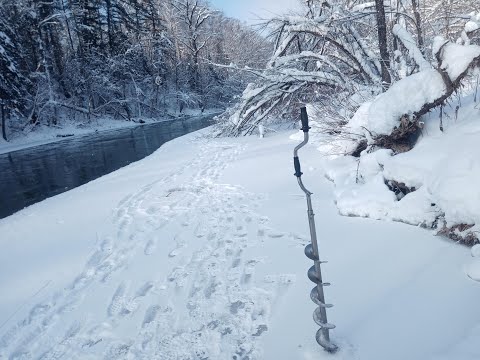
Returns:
(34,174)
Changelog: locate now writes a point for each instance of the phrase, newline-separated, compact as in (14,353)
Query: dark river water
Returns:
(34,174)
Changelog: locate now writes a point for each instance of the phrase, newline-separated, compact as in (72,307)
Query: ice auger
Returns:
(311,251)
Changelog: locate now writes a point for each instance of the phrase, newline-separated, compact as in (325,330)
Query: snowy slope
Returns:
(196,252)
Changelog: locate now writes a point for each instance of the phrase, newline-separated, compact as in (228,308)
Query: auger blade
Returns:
(310,253)
(315,298)
(312,275)
(317,317)
(326,344)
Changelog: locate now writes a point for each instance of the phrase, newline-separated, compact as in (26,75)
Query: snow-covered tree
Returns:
(341,54)
(13,83)
(316,55)
(123,58)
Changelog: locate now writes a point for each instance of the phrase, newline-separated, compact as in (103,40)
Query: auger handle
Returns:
(296,165)
(305,128)
(304,118)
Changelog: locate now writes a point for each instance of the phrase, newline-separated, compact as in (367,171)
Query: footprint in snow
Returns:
(118,351)
(175,252)
(275,234)
(118,301)
(178,276)
(260,330)
(145,289)
(150,247)
(150,315)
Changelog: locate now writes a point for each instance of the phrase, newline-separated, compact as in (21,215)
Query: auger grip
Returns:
(304,118)
(296,165)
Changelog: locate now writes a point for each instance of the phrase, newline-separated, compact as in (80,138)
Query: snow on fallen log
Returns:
(457,58)
(405,97)
(417,94)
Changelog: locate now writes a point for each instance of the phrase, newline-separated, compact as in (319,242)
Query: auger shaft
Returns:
(311,251)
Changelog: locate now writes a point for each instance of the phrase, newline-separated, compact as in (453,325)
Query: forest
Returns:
(125,59)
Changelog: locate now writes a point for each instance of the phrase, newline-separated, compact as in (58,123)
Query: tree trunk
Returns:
(4,124)
(110,26)
(418,26)
(382,41)
(67,25)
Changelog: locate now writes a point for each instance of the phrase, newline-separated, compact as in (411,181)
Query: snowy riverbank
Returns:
(434,185)
(197,252)
(41,134)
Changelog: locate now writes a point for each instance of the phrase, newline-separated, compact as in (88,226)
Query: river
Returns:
(31,175)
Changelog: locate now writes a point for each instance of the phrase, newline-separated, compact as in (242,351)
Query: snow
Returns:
(438,42)
(361,7)
(406,96)
(471,26)
(197,252)
(442,167)
(476,250)
(411,46)
(456,58)
(473,269)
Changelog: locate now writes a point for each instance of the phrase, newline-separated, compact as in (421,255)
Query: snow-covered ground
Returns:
(42,134)
(442,170)
(196,252)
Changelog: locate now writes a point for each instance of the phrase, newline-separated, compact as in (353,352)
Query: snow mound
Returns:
(433,185)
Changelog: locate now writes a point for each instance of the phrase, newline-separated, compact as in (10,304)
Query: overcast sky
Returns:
(250,10)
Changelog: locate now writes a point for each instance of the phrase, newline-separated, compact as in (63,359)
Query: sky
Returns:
(251,10)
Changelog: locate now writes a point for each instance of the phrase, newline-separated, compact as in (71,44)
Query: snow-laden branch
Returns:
(407,40)
(286,61)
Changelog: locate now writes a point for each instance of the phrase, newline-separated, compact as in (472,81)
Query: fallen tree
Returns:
(394,118)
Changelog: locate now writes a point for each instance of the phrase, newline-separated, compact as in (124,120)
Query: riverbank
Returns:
(42,134)
(197,252)
(36,173)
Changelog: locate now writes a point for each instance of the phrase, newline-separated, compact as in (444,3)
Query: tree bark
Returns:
(4,125)
(110,26)
(382,41)
(418,26)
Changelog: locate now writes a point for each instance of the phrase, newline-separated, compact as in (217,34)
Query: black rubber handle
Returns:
(304,118)
(296,165)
